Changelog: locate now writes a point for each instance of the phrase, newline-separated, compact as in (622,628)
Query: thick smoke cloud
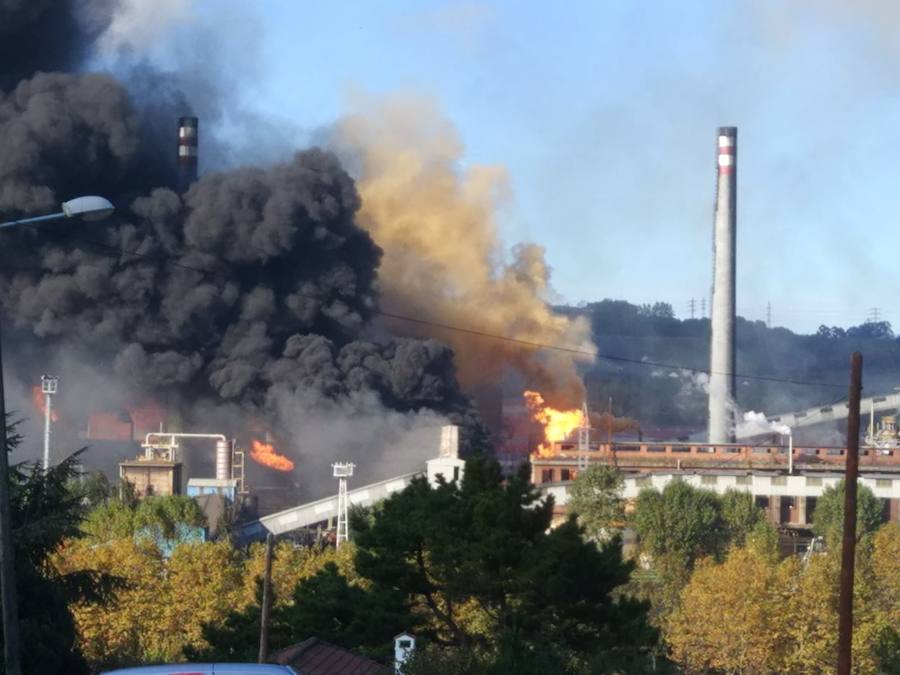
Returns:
(43,35)
(443,260)
(252,291)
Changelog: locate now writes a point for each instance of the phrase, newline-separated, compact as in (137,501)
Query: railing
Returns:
(711,454)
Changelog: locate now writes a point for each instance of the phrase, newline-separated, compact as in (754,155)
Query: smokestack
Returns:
(188,141)
(721,351)
(223,459)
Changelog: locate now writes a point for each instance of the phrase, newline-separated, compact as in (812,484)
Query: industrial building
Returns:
(785,485)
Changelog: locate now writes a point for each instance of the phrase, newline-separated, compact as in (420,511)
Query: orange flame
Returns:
(37,399)
(265,454)
(558,424)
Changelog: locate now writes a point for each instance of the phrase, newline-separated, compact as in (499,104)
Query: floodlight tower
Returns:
(343,471)
(584,438)
(49,385)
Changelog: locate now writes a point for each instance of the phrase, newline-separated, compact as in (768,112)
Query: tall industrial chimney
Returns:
(188,140)
(721,350)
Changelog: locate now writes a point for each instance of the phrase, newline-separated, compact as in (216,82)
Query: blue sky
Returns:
(605,116)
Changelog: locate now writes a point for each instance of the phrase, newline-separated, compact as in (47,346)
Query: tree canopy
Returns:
(828,516)
(486,545)
(680,524)
(595,498)
(754,613)
(44,511)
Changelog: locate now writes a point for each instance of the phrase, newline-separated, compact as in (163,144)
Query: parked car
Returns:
(206,669)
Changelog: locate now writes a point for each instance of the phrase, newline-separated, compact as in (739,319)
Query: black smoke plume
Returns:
(254,286)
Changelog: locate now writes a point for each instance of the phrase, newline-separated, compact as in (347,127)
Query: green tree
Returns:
(43,512)
(680,524)
(740,514)
(315,594)
(595,498)
(163,519)
(828,517)
(488,542)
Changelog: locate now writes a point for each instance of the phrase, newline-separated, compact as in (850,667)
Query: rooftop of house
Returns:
(317,657)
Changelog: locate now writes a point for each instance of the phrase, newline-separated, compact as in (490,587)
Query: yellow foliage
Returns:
(885,563)
(121,632)
(727,615)
(290,566)
(163,604)
(753,614)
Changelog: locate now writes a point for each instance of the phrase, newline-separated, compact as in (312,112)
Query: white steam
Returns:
(754,423)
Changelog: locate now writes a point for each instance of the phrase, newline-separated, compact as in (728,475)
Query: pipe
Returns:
(722,315)
(790,452)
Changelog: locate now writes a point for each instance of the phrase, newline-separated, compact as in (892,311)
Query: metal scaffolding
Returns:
(343,471)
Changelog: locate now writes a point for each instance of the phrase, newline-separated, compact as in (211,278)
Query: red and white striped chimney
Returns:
(188,142)
(722,315)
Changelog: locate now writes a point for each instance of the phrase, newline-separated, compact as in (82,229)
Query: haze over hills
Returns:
(779,370)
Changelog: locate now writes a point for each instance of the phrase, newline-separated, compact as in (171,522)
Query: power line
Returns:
(470,331)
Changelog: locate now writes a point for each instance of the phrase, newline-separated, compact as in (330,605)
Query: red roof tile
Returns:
(315,657)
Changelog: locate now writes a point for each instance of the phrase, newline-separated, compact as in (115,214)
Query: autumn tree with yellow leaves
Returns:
(754,614)
(163,602)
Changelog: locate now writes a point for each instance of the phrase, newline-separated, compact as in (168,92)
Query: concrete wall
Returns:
(787,498)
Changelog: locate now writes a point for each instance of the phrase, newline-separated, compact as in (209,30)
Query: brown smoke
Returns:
(443,261)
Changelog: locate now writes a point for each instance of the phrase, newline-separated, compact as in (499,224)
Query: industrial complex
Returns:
(248,478)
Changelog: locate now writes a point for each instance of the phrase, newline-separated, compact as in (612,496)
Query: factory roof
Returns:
(316,657)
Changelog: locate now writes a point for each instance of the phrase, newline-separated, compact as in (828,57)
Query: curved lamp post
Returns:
(88,208)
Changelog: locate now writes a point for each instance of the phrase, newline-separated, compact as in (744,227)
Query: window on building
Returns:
(813,481)
(779,480)
(743,480)
(762,502)
(456,473)
(709,480)
(565,475)
(546,475)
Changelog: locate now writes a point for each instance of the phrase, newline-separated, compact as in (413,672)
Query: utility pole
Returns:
(874,314)
(769,314)
(266,608)
(848,545)
(702,308)
(692,305)
(8,595)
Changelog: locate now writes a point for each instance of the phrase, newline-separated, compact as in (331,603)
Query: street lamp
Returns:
(89,208)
